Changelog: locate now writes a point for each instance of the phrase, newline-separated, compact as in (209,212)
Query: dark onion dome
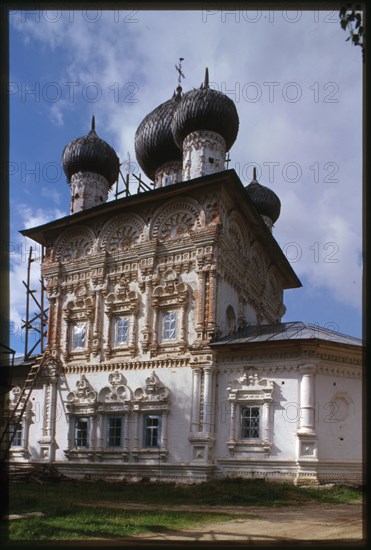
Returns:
(154,142)
(264,199)
(91,154)
(206,109)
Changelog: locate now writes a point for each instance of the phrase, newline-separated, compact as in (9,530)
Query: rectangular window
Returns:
(250,422)
(82,432)
(169,325)
(121,331)
(78,336)
(152,430)
(114,431)
(168,180)
(17,441)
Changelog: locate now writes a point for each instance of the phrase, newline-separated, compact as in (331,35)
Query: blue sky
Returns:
(297,86)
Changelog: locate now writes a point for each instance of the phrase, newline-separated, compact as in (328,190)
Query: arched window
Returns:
(230,320)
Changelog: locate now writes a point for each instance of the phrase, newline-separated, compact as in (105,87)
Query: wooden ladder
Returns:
(13,421)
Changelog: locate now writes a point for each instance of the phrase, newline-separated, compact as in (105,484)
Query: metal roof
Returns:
(295,330)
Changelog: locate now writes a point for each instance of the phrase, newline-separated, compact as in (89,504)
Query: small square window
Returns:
(169,325)
(78,336)
(18,437)
(168,180)
(152,431)
(82,432)
(250,422)
(121,335)
(114,431)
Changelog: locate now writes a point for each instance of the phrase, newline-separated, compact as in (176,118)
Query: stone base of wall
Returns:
(345,473)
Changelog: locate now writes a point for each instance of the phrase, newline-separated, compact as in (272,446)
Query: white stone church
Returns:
(166,354)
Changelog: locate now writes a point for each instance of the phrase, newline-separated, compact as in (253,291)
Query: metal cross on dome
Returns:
(179,69)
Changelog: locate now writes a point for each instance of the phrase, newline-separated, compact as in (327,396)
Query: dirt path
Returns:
(340,522)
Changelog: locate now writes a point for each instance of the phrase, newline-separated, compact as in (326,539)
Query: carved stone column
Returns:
(146,333)
(307,399)
(100,431)
(232,426)
(207,404)
(52,417)
(307,451)
(52,321)
(155,327)
(196,394)
(126,433)
(183,324)
(45,410)
(201,305)
(164,430)
(266,421)
(212,302)
(67,328)
(135,451)
(70,433)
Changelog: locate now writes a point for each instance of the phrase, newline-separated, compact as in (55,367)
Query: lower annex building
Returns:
(166,356)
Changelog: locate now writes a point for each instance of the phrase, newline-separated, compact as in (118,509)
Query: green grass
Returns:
(94,523)
(67,516)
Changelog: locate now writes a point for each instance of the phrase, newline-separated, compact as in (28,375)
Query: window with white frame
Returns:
(81,432)
(114,431)
(169,325)
(78,336)
(18,437)
(250,422)
(121,331)
(250,427)
(152,431)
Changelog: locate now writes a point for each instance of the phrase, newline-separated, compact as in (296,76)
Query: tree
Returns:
(351,21)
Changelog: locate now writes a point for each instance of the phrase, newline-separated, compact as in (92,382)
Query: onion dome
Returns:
(154,142)
(91,154)
(264,199)
(206,109)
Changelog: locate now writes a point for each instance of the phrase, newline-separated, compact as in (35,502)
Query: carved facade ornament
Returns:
(170,292)
(122,301)
(74,244)
(82,308)
(250,386)
(177,219)
(212,211)
(237,232)
(154,390)
(84,393)
(14,396)
(117,392)
(50,370)
(122,233)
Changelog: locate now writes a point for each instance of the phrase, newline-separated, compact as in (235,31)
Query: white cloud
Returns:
(51,193)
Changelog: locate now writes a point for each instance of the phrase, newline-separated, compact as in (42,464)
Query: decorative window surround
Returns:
(154,400)
(123,303)
(171,296)
(249,390)
(78,312)
(81,404)
(114,401)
